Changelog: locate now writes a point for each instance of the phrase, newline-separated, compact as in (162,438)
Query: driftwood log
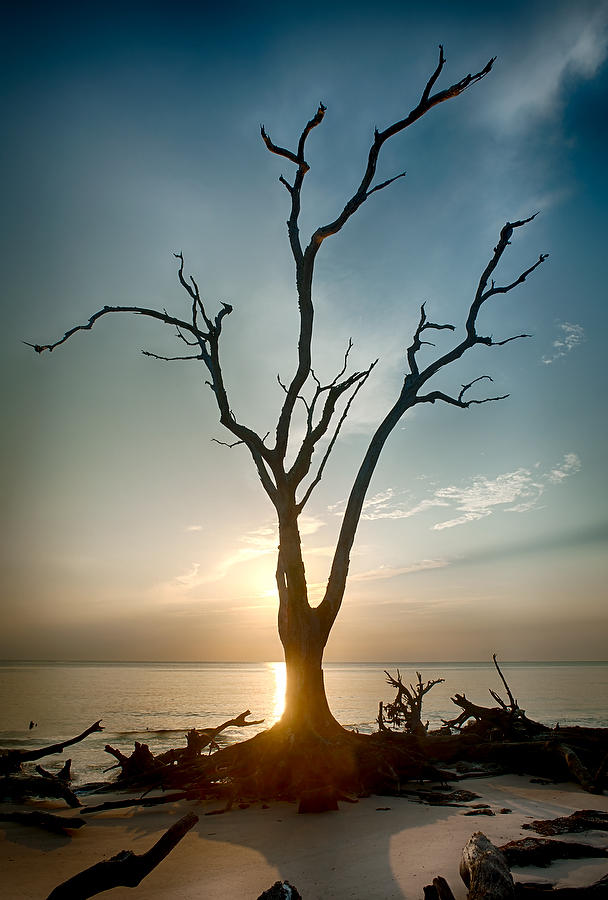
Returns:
(20,787)
(126,869)
(11,760)
(137,801)
(484,870)
(48,821)
(142,761)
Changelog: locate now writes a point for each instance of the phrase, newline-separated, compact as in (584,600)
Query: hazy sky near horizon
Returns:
(134,133)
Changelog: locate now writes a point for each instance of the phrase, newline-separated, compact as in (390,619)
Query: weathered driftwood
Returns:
(48,821)
(11,760)
(505,720)
(405,712)
(438,890)
(535,891)
(19,787)
(542,851)
(142,761)
(484,870)
(137,801)
(126,869)
(581,820)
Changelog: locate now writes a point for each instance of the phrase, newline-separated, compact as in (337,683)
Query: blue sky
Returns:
(134,133)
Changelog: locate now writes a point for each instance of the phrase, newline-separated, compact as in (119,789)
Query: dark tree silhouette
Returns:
(304,629)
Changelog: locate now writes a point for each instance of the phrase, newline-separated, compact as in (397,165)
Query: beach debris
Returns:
(405,712)
(48,821)
(12,759)
(19,787)
(480,811)
(542,851)
(139,801)
(126,869)
(581,820)
(484,870)
(438,890)
(496,722)
(281,890)
(142,761)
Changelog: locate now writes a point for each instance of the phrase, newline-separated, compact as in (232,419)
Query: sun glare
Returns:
(280,684)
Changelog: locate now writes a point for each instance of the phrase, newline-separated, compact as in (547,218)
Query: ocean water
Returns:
(158,702)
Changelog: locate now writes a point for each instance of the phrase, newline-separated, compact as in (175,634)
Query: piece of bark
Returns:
(126,869)
(18,787)
(535,891)
(438,890)
(581,820)
(542,851)
(10,760)
(48,821)
(484,870)
(137,801)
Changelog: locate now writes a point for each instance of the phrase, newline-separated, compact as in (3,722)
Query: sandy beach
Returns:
(384,847)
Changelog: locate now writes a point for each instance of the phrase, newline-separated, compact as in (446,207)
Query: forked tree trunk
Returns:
(304,637)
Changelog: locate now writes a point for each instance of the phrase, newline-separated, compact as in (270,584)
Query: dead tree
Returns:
(405,712)
(504,720)
(289,478)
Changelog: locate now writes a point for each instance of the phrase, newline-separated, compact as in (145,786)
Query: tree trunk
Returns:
(306,706)
(303,635)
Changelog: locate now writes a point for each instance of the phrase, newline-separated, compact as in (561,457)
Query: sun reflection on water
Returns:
(280,684)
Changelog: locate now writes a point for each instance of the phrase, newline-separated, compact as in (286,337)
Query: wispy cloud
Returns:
(575,46)
(516,491)
(193,528)
(571,336)
(383,572)
(570,466)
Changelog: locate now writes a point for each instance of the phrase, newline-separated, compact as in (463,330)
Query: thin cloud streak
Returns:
(516,492)
(571,337)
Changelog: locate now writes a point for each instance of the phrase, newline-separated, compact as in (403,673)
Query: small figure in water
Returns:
(33,724)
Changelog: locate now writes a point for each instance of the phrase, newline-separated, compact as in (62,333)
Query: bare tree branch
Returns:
(170,358)
(302,503)
(224,444)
